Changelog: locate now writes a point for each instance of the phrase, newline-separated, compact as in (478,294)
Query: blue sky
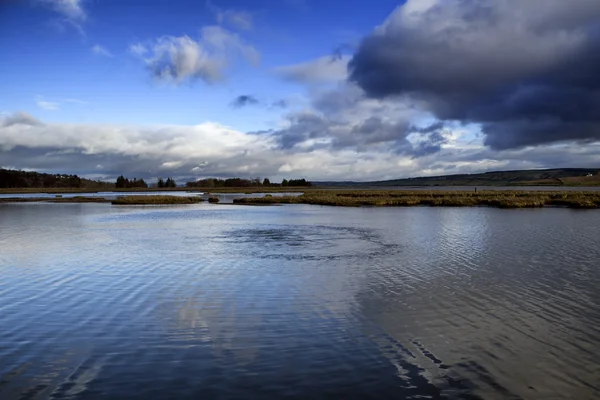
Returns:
(54,60)
(326,90)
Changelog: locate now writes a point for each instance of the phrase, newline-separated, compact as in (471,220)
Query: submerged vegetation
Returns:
(156,200)
(401,198)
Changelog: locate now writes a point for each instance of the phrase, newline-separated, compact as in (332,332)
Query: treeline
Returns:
(30,179)
(10,179)
(125,183)
(169,183)
(240,183)
(295,182)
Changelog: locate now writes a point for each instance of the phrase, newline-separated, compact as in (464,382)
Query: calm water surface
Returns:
(223,197)
(303,302)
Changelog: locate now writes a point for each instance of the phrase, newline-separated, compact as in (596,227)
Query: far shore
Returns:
(296,189)
(248,190)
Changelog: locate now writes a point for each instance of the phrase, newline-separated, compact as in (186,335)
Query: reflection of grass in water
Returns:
(124,200)
(76,199)
(491,198)
(150,200)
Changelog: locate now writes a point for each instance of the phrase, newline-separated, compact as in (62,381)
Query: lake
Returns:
(298,302)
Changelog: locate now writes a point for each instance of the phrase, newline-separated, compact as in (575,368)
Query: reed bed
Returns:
(248,190)
(156,200)
(401,198)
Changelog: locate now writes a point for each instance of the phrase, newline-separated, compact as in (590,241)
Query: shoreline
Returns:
(296,189)
(362,198)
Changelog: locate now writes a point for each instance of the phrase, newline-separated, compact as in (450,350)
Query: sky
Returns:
(322,90)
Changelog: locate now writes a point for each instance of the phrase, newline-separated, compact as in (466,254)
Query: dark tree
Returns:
(170,183)
(266,182)
(120,183)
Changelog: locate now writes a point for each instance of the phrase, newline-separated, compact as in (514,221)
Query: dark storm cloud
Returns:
(431,144)
(527,71)
(244,100)
(375,130)
(373,133)
(303,126)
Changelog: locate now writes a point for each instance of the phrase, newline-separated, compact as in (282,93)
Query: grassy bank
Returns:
(398,198)
(156,200)
(249,190)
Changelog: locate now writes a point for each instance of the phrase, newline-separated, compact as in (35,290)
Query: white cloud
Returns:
(179,59)
(55,105)
(46,105)
(211,149)
(322,70)
(239,19)
(70,9)
(138,49)
(74,101)
(102,51)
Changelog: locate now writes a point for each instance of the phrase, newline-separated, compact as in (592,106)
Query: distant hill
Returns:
(542,177)
(30,179)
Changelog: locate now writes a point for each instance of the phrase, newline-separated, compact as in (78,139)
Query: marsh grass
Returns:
(79,199)
(246,190)
(401,198)
(213,200)
(156,200)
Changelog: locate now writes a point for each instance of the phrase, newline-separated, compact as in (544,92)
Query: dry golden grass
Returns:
(156,200)
(491,198)
(247,190)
